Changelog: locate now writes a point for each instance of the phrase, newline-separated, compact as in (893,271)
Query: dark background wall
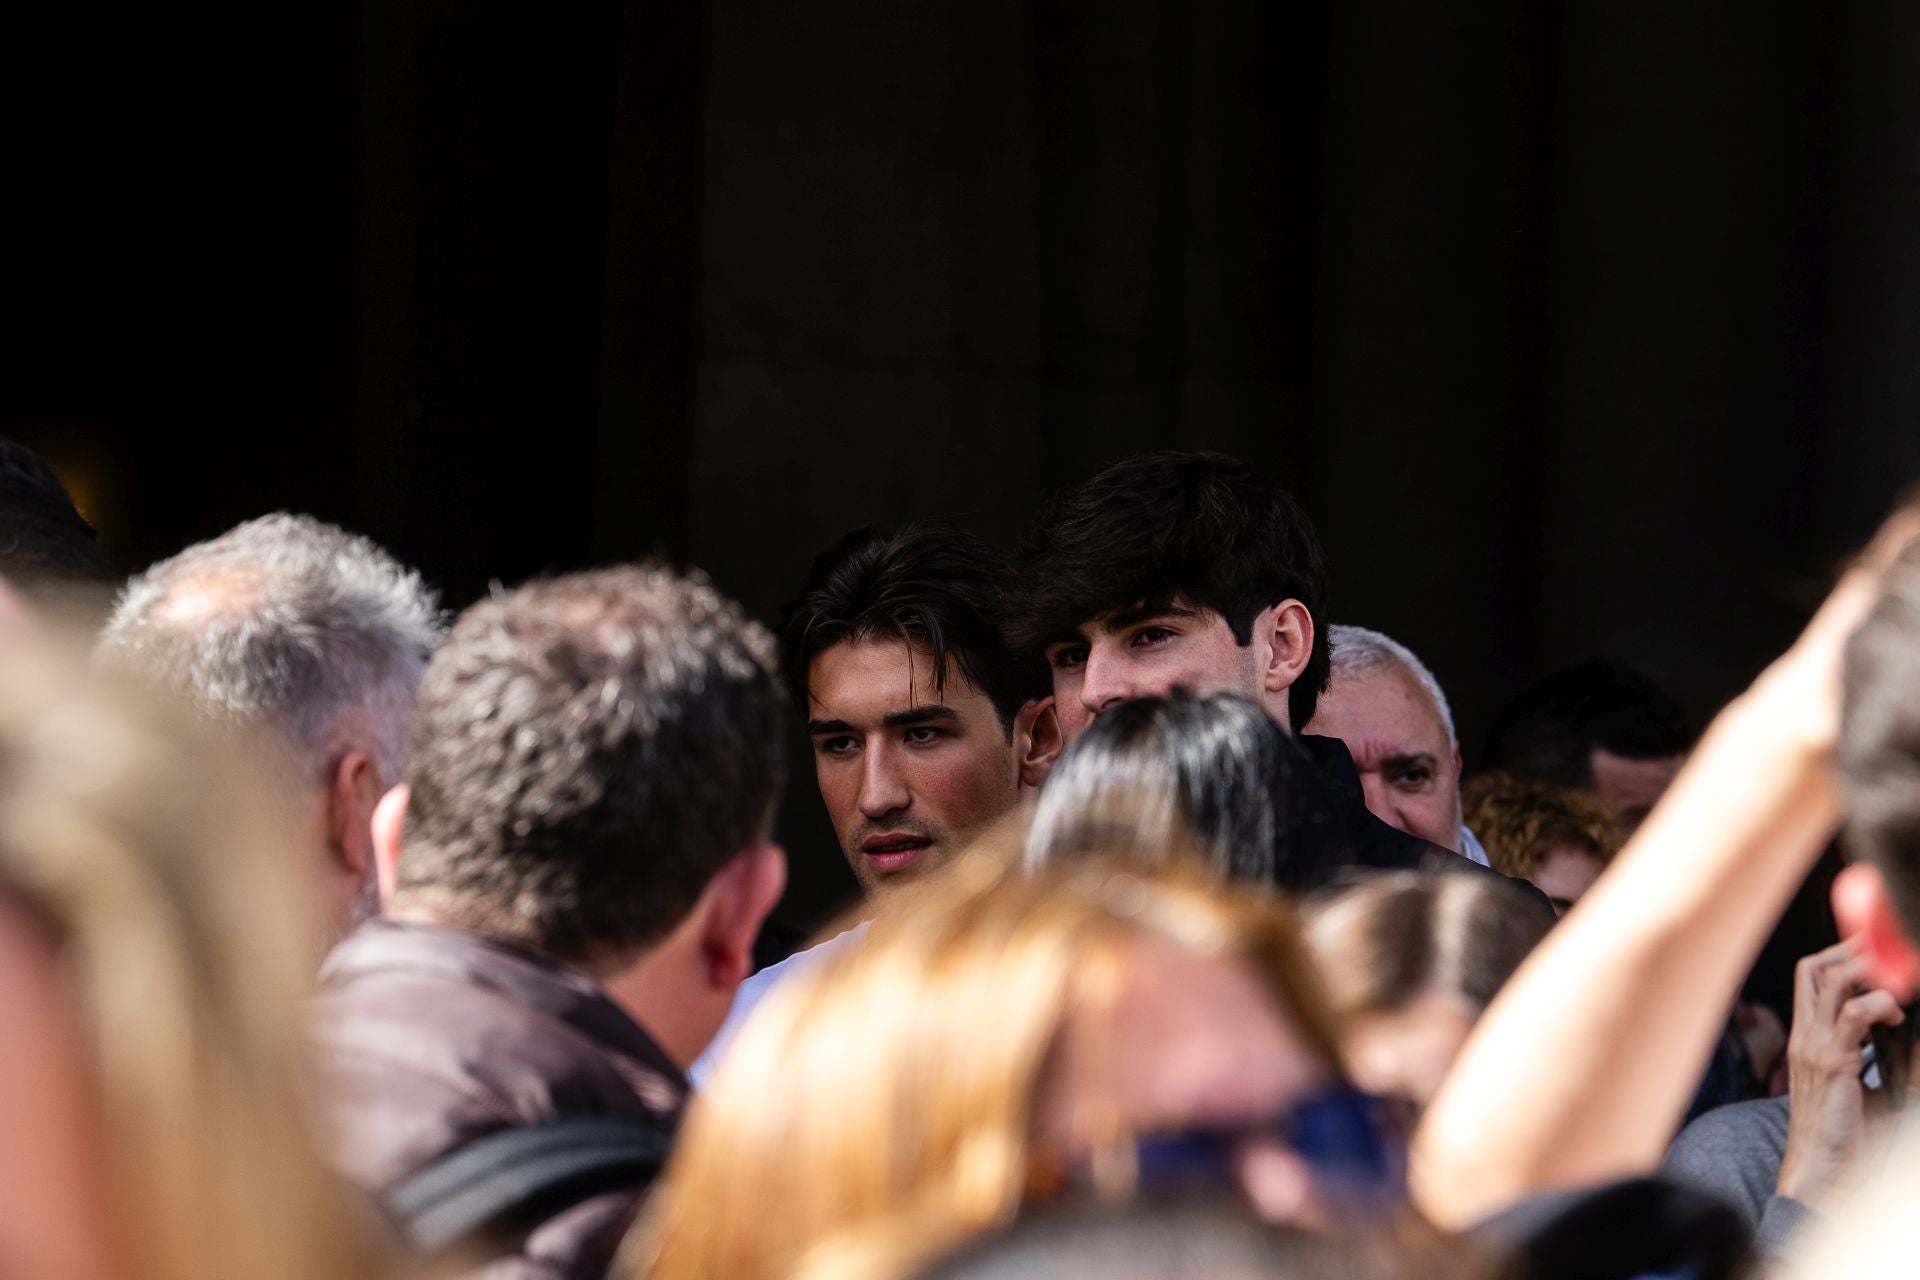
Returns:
(1581,327)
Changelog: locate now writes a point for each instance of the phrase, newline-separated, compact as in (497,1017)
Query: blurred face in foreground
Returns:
(1409,766)
(909,765)
(1179,1041)
(54,1216)
(1406,1052)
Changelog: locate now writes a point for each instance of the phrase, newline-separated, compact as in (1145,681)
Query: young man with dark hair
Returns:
(926,725)
(1193,571)
(1600,727)
(575,869)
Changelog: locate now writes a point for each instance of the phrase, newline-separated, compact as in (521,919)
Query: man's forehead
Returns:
(1383,753)
(881,676)
(1395,705)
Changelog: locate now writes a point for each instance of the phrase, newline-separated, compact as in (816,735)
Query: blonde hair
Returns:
(173,918)
(896,1080)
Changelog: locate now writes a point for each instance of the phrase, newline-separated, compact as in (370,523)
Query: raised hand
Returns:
(1833,1010)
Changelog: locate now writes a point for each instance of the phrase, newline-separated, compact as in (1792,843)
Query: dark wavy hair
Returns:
(1203,527)
(43,537)
(1549,730)
(929,584)
(1215,772)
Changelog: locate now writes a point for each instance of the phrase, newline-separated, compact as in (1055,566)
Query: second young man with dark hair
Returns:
(1192,571)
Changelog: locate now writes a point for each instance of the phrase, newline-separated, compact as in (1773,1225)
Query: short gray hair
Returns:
(1359,649)
(290,625)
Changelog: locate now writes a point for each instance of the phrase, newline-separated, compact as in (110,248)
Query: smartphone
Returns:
(1892,1059)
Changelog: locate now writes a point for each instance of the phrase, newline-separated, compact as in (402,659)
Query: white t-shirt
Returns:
(755,989)
(1470,847)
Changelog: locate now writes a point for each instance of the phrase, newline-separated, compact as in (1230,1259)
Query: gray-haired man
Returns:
(313,636)
(1386,706)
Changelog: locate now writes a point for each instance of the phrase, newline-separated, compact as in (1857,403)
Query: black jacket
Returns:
(1365,841)
(431,1038)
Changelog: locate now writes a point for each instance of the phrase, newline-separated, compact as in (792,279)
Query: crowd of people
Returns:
(342,940)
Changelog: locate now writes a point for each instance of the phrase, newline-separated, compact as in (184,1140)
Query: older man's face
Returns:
(1409,767)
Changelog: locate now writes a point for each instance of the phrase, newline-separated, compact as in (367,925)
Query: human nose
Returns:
(882,790)
(1379,800)
(1104,681)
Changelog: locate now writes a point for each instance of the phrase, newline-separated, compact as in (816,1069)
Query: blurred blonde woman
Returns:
(999,1039)
(152,970)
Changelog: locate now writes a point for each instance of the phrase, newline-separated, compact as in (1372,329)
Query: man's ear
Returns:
(1288,632)
(1863,908)
(352,793)
(1036,740)
(739,899)
(389,819)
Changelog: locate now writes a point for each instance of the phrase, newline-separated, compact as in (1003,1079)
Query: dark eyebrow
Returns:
(1419,757)
(927,713)
(1121,619)
(930,713)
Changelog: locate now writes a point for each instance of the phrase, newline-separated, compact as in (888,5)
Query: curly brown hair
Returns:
(1522,822)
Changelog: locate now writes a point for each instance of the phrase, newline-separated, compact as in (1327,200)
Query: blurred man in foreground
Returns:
(577,866)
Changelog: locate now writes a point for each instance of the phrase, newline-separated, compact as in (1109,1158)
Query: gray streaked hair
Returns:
(1359,649)
(288,625)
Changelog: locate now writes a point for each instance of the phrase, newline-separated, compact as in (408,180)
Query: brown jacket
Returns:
(430,1038)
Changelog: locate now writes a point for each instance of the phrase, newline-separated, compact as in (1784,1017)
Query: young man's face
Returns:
(1119,656)
(1409,767)
(910,767)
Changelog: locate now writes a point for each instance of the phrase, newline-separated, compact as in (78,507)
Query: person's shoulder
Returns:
(1733,1152)
(1731,1132)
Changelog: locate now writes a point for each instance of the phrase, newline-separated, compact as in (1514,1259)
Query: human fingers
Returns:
(1863,1012)
(1825,978)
